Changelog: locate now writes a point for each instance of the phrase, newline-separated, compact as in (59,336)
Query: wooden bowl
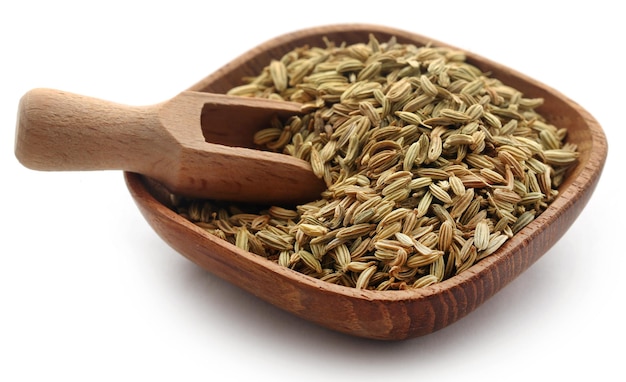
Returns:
(384,315)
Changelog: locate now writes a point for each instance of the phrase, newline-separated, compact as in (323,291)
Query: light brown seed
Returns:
(278,72)
(446,234)
(523,220)
(481,235)
(273,240)
(495,243)
(313,229)
(364,277)
(492,176)
(241,240)
(428,87)
(310,261)
(560,157)
(439,193)
(424,281)
(359,266)
(417,261)
(354,231)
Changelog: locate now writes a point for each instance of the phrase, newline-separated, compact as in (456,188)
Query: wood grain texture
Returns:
(62,131)
(383,315)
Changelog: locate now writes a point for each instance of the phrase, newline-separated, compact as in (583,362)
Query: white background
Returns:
(88,292)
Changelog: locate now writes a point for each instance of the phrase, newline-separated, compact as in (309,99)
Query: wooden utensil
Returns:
(383,315)
(64,131)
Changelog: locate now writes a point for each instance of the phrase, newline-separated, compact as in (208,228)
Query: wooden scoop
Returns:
(167,142)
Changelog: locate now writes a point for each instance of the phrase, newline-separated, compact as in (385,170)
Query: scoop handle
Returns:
(61,131)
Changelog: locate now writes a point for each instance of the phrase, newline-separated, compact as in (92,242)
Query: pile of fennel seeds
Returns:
(430,165)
